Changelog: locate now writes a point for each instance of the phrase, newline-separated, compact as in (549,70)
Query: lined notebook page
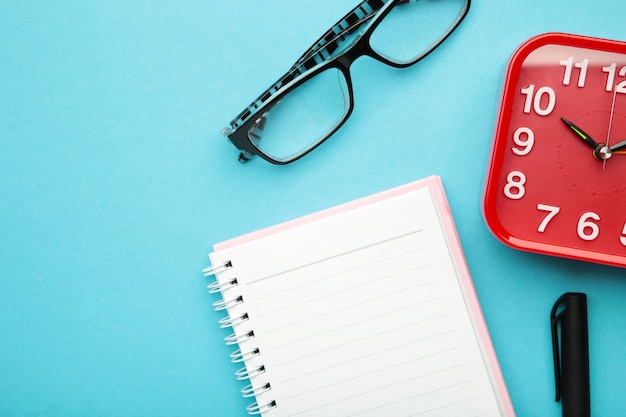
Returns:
(361,313)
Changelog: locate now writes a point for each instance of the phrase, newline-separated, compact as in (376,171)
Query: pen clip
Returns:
(554,319)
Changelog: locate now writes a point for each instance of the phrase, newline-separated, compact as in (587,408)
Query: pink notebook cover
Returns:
(435,185)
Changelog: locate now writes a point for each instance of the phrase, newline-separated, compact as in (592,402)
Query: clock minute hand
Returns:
(619,148)
(581,134)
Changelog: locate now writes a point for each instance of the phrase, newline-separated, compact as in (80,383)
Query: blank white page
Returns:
(361,312)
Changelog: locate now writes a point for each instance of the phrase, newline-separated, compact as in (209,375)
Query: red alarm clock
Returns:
(556,181)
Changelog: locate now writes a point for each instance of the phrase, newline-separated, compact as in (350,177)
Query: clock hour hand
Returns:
(581,134)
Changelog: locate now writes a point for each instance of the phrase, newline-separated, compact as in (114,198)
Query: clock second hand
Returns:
(606,151)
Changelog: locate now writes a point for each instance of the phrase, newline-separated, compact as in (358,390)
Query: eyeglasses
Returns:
(314,98)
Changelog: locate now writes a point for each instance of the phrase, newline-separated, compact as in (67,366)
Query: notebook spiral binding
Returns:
(236,318)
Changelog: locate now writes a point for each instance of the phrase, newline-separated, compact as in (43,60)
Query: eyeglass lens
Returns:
(412,29)
(306,115)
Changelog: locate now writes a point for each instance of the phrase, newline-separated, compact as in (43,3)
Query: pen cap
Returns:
(574,358)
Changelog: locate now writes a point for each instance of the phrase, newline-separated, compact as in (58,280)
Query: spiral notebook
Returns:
(365,309)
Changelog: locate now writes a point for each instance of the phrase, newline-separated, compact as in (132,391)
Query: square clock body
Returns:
(556,181)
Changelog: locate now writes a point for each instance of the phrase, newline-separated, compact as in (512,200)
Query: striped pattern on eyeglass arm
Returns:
(321,51)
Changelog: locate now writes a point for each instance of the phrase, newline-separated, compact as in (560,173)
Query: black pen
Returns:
(571,361)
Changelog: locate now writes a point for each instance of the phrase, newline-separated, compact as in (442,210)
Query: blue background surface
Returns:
(115,183)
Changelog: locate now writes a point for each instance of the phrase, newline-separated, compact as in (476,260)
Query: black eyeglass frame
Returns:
(313,62)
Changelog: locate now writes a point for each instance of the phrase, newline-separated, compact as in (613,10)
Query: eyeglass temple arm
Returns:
(333,38)
(339,32)
(319,52)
